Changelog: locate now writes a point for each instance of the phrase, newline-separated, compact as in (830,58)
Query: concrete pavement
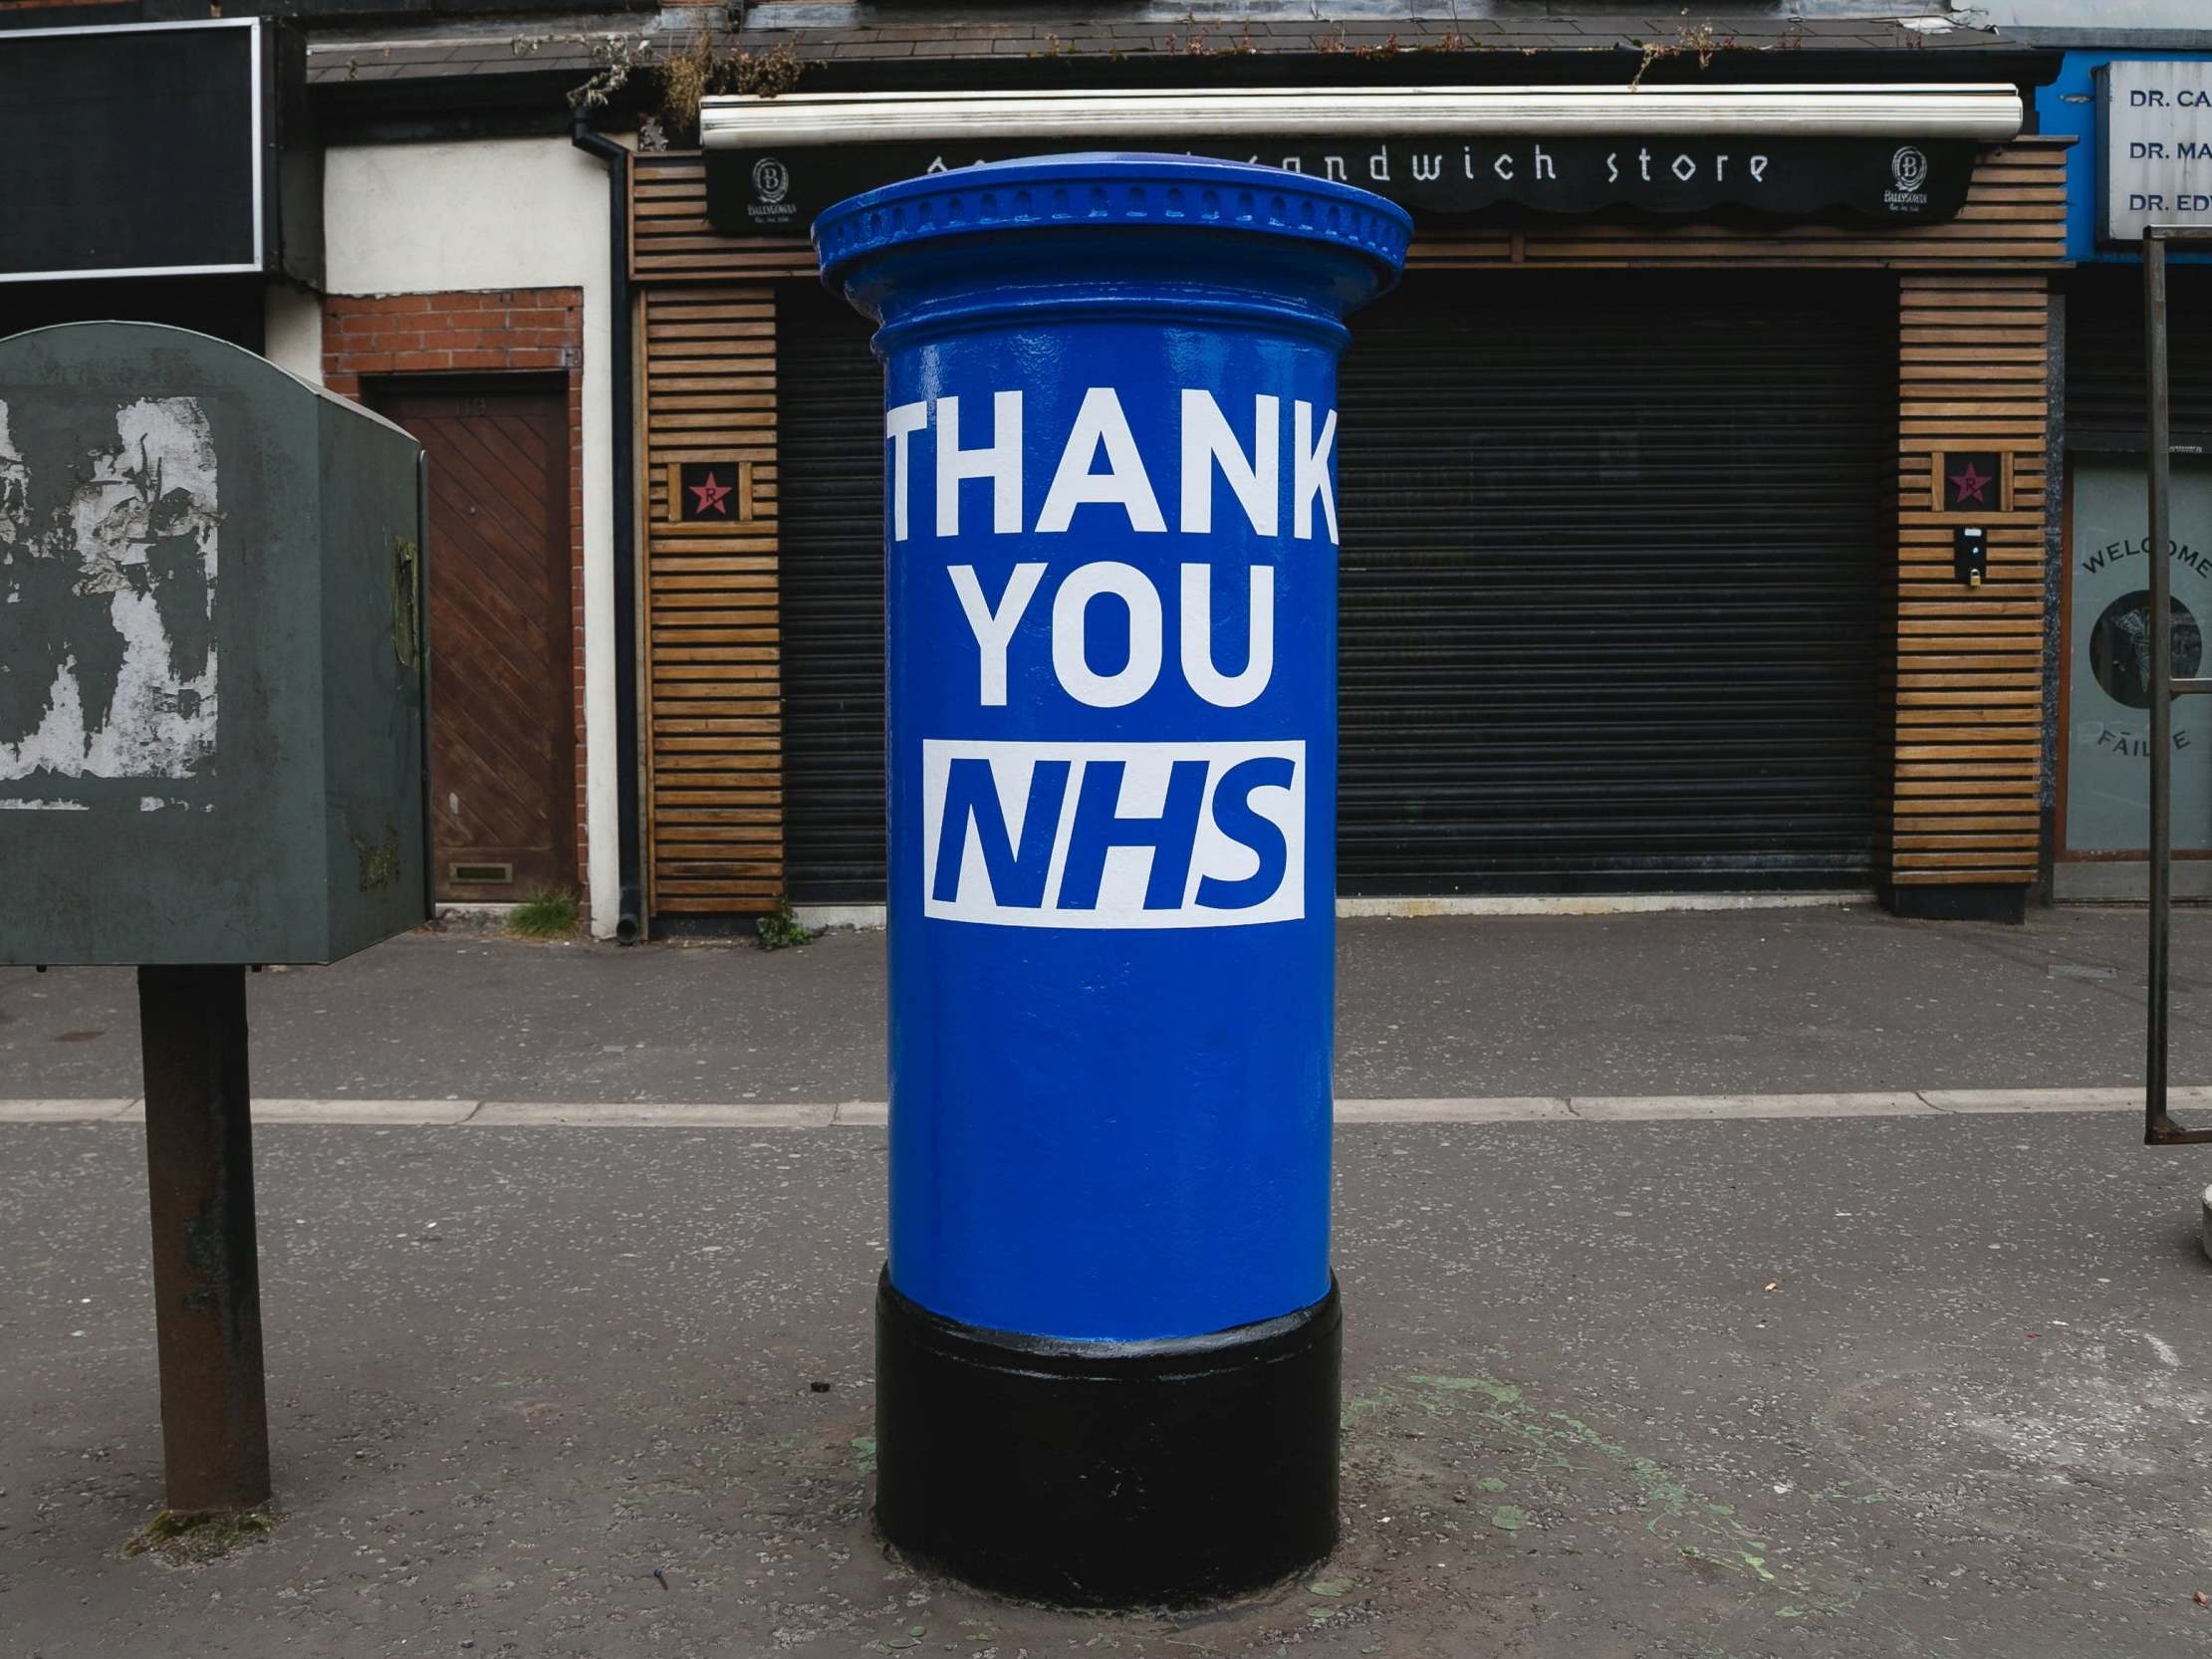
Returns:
(1672,1370)
(1849,1386)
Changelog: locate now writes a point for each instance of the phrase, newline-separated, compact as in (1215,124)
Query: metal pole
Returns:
(206,1280)
(2159,445)
(2158,1128)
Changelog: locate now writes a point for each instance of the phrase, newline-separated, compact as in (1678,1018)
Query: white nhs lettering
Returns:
(1114,835)
(968,457)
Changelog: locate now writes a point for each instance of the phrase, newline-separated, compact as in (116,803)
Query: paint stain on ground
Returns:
(1579,1474)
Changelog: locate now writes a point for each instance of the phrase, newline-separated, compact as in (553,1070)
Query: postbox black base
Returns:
(1108,1475)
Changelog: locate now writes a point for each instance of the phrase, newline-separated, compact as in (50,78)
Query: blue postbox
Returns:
(1108,1334)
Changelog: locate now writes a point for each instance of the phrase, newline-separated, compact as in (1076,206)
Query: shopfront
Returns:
(1647,535)
(2145,156)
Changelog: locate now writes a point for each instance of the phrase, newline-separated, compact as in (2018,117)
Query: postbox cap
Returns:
(1095,189)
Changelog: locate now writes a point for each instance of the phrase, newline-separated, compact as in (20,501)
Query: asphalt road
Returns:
(1847,1387)
(1793,1001)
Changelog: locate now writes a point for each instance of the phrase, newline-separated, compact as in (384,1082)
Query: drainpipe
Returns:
(628,919)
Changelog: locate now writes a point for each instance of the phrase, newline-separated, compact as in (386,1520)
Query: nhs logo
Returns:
(1114,835)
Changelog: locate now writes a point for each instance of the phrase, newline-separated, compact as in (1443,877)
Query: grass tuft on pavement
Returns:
(781,928)
(546,914)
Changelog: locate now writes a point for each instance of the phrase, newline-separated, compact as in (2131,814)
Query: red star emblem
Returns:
(710,496)
(1968,485)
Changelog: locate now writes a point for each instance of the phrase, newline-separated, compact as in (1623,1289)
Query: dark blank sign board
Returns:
(131,150)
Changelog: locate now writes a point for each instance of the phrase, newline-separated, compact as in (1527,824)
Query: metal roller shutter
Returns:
(1613,550)
(1613,571)
(829,481)
(2104,386)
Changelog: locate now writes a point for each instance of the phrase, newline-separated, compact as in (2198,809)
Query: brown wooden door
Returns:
(502,697)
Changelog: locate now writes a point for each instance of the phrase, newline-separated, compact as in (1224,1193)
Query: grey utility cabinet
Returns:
(211,658)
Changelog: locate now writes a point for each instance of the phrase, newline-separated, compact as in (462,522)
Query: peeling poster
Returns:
(110,546)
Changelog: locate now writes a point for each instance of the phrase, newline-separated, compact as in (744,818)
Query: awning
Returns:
(1980,114)
(1894,155)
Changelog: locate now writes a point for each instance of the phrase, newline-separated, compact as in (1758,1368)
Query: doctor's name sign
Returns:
(1133,832)
(2154,129)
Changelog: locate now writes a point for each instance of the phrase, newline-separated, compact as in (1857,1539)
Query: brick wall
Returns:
(512,330)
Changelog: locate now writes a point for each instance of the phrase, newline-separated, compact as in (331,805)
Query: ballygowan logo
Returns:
(770,179)
(1909,167)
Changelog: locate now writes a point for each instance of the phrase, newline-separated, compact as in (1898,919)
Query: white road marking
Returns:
(868,917)
(62,1111)
(648,1115)
(1507,1109)
(394,1112)
(2056,1100)
(794,1115)
(1666,1108)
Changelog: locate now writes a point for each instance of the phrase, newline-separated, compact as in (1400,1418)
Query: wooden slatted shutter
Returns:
(1973,377)
(712,650)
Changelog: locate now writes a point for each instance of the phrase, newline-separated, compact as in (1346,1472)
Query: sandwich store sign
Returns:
(1852,179)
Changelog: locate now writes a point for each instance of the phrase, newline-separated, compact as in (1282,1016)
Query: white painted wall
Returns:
(2086,14)
(506,214)
(291,324)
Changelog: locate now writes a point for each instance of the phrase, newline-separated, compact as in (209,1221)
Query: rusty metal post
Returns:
(2158,445)
(207,1279)
(2159,1130)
